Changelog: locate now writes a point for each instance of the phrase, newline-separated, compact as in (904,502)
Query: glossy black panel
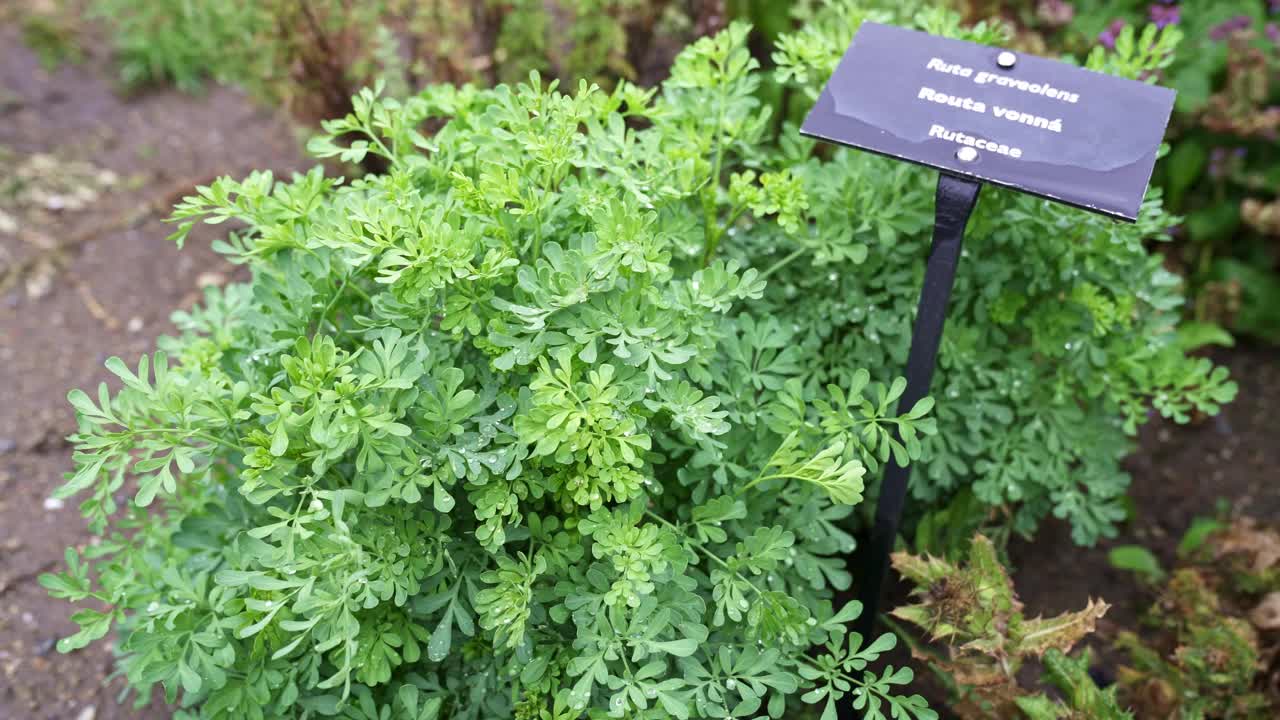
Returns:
(1077,136)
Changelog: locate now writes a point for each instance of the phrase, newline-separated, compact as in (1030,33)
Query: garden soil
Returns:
(87,273)
(1228,465)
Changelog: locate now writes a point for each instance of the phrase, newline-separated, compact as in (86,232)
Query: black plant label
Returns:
(1036,125)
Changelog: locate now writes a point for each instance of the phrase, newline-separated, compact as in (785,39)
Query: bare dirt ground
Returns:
(1229,464)
(86,274)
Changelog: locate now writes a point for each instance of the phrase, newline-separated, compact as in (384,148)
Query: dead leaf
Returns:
(91,303)
(1062,631)
(1244,537)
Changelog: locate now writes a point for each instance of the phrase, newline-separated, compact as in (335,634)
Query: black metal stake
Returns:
(955,202)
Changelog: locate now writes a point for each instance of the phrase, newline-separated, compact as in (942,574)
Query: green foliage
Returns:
(1061,331)
(565,412)
(808,56)
(52,36)
(1138,560)
(1082,699)
(1211,668)
(313,56)
(1137,55)
(973,609)
(1206,653)
(1221,174)
(945,531)
(500,433)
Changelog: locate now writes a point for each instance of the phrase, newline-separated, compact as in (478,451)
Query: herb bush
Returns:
(567,412)
(498,433)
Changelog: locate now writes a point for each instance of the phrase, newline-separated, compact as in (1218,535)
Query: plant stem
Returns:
(337,294)
(324,314)
(718,560)
(713,229)
(190,433)
(783,262)
(759,479)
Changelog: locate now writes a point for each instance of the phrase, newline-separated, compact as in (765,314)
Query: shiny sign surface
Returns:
(1036,125)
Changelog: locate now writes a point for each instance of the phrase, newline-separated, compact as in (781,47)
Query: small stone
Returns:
(53,503)
(88,713)
(7,445)
(211,279)
(1267,615)
(1222,425)
(40,280)
(135,324)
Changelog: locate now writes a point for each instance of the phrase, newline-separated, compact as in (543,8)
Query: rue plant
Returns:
(566,413)
(500,433)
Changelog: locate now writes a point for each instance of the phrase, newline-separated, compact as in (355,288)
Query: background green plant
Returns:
(1204,652)
(314,56)
(1210,626)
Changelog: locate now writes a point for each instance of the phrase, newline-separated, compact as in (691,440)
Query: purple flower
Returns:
(1165,15)
(1217,163)
(1273,33)
(1107,38)
(1275,5)
(1227,28)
